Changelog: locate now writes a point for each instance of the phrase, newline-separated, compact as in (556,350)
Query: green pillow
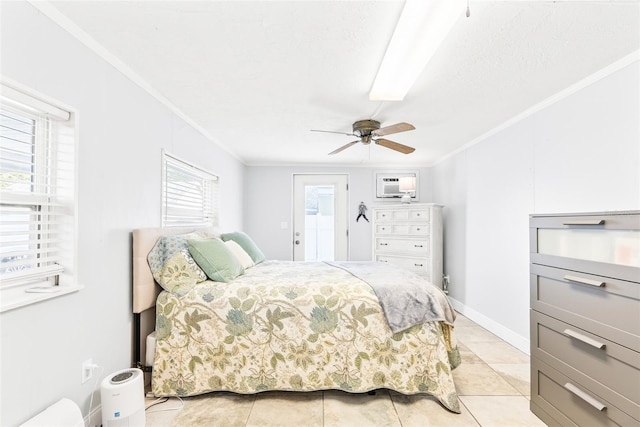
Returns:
(215,259)
(247,244)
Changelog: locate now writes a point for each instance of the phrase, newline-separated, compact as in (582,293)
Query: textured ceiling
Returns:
(256,76)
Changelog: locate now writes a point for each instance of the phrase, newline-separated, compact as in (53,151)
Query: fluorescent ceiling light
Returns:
(422,27)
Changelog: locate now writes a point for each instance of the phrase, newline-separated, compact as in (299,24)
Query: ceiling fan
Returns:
(369,130)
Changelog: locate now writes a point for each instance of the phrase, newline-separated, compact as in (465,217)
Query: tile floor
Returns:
(492,382)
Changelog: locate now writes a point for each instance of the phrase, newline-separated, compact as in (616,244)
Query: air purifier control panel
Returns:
(121,377)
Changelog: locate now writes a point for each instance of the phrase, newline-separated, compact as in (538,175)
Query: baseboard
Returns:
(94,419)
(516,340)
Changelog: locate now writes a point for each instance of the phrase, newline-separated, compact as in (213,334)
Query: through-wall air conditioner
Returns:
(387,185)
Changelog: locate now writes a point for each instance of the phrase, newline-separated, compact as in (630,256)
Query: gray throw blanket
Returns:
(407,299)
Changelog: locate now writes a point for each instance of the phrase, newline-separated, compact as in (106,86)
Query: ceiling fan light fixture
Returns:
(369,131)
(422,27)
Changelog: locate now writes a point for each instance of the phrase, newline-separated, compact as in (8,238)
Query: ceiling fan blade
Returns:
(388,130)
(330,131)
(404,149)
(344,147)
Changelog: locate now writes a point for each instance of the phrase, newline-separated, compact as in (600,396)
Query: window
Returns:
(189,194)
(37,192)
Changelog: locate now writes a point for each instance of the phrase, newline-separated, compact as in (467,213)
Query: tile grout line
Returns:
(393,403)
(469,411)
(322,408)
(520,394)
(490,364)
(246,423)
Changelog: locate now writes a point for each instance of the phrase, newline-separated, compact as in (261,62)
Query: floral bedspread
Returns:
(298,326)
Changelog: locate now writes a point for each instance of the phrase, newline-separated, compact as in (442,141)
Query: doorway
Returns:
(320,217)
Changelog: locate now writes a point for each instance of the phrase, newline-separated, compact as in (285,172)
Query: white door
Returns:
(320,217)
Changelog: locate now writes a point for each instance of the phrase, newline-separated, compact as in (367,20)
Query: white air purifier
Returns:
(122,395)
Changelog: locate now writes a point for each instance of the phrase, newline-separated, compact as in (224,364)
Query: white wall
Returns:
(122,131)
(579,154)
(268,203)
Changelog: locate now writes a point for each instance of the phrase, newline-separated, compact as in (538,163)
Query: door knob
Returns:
(297,242)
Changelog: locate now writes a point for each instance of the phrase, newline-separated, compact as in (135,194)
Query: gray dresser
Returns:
(585,318)
(410,236)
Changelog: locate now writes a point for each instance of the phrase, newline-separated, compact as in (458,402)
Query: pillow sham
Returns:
(215,259)
(172,265)
(247,244)
(241,254)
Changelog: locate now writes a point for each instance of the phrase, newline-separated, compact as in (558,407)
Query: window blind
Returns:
(190,195)
(37,191)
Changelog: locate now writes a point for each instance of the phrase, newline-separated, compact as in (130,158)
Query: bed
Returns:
(296,326)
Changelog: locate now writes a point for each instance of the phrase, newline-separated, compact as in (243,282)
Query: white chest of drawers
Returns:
(410,236)
(585,319)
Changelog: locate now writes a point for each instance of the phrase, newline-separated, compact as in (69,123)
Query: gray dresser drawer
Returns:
(609,310)
(605,244)
(606,368)
(570,403)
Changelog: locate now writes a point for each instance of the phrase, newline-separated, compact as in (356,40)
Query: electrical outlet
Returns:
(87,370)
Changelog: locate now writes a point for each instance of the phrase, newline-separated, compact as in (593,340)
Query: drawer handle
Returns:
(418,246)
(584,281)
(585,222)
(585,339)
(418,265)
(384,244)
(584,396)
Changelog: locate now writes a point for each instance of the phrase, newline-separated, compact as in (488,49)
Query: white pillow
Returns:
(241,254)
